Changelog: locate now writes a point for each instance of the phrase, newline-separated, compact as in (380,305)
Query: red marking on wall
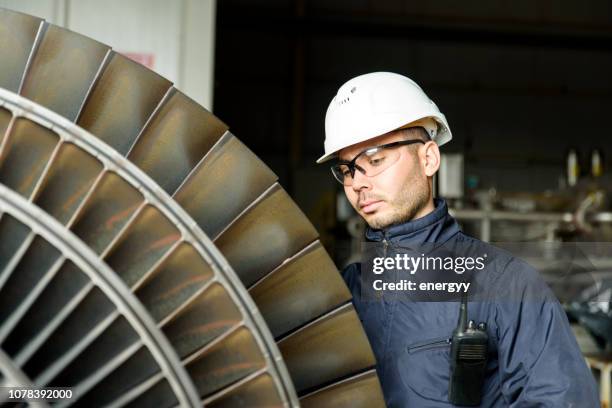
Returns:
(146,59)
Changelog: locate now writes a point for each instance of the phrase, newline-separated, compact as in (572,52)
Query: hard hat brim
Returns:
(442,137)
(326,157)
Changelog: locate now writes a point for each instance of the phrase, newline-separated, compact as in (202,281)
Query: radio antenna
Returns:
(462,324)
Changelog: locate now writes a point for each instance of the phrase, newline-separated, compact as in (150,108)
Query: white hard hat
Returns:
(373,104)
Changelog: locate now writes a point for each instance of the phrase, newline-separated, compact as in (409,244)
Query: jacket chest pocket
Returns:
(425,368)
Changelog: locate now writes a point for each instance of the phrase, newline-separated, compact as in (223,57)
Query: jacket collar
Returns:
(436,227)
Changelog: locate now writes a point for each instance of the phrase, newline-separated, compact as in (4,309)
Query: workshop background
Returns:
(520,83)
(525,86)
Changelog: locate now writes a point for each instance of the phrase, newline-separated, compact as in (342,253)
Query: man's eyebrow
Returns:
(339,157)
(348,159)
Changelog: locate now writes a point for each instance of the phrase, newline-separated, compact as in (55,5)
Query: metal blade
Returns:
(223,185)
(67,181)
(159,395)
(106,211)
(227,361)
(60,291)
(192,328)
(111,343)
(121,102)
(134,371)
(90,313)
(62,70)
(27,150)
(258,391)
(174,281)
(17,36)
(15,234)
(144,243)
(5,119)
(360,391)
(338,334)
(38,259)
(275,220)
(174,141)
(305,287)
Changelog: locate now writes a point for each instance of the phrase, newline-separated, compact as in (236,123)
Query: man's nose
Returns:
(361,181)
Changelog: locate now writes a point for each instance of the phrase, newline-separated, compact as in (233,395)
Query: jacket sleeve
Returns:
(539,360)
(351,276)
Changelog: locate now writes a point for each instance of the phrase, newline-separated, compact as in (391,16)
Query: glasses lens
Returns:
(376,160)
(370,162)
(342,173)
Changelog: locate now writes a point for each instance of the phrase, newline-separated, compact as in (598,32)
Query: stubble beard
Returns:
(412,198)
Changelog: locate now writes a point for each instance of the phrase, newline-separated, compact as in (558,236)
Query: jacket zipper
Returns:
(385,245)
(428,345)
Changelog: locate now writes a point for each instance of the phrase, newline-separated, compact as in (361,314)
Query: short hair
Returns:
(417,132)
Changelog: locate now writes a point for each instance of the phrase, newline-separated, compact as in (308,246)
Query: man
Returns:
(384,133)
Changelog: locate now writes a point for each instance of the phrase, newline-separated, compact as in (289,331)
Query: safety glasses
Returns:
(370,162)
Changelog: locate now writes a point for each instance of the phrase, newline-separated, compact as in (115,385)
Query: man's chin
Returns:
(376,220)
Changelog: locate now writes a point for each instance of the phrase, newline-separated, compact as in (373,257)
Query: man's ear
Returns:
(431,158)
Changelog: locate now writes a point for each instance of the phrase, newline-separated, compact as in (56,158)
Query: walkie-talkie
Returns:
(468,360)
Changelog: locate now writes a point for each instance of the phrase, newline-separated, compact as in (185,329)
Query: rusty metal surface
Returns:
(339,334)
(17,35)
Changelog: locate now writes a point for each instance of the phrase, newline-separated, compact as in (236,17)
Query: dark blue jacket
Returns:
(534,360)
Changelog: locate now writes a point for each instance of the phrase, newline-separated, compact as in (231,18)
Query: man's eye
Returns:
(345,172)
(376,161)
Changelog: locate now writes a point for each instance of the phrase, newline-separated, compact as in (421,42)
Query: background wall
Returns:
(175,38)
(520,82)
